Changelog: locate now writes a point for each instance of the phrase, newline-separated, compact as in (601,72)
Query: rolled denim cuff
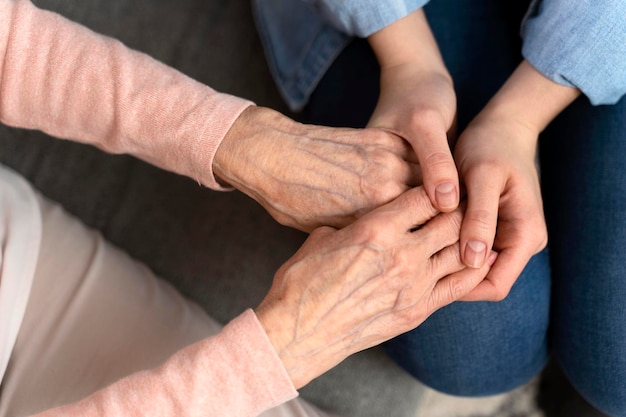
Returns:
(364,17)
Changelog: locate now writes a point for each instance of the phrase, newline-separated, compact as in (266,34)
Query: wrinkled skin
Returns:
(350,289)
(308,176)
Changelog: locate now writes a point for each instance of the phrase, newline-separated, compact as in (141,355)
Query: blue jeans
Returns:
(570,301)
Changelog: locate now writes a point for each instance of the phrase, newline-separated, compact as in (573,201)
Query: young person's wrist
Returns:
(408,40)
(529,99)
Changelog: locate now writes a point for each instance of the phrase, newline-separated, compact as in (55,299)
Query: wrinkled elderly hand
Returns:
(307,176)
(350,289)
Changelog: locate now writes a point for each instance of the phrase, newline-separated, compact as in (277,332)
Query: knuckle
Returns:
(379,186)
(501,292)
(426,119)
(536,235)
(452,222)
(418,201)
(369,232)
(440,172)
(439,161)
(456,289)
(361,231)
(384,160)
(322,231)
(409,318)
(479,219)
(448,258)
(488,167)
(385,194)
(377,193)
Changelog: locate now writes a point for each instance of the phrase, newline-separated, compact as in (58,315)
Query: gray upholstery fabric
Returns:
(220,249)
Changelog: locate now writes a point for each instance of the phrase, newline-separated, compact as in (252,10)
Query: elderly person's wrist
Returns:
(228,165)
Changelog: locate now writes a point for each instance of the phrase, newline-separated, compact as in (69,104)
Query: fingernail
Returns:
(446,196)
(492,258)
(475,253)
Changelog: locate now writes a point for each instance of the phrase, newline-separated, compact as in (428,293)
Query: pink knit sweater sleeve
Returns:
(234,374)
(61,78)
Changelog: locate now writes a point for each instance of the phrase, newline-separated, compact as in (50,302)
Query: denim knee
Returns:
(589,334)
(482,348)
(604,387)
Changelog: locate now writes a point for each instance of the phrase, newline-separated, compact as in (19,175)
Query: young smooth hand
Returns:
(307,176)
(496,160)
(350,289)
(417,102)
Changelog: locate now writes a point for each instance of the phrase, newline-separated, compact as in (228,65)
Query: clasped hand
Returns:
(495,157)
(350,289)
(307,176)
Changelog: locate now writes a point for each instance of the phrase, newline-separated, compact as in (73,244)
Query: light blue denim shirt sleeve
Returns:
(579,43)
(364,17)
(302,38)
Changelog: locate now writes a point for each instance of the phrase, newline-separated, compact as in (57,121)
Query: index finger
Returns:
(409,210)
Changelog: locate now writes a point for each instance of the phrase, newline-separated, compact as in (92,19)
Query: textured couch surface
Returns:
(220,249)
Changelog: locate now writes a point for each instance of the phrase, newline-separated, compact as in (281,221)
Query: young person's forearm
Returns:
(408,40)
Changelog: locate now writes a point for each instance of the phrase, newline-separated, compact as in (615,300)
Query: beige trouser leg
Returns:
(94,316)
